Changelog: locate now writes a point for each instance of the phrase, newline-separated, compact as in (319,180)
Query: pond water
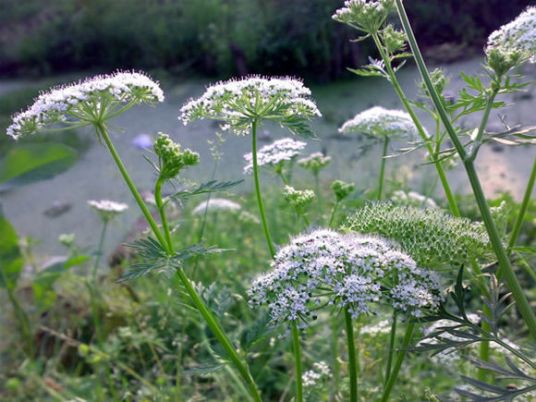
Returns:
(95,176)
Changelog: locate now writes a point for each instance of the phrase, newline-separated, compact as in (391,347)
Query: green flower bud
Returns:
(342,189)
(299,199)
(393,39)
(171,158)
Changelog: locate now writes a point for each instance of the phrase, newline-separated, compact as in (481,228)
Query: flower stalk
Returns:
(502,256)
(352,357)
(296,349)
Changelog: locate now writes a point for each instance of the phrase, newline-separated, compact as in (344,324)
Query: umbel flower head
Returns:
(381,122)
(342,189)
(343,270)
(299,199)
(431,236)
(513,42)
(275,154)
(315,162)
(107,209)
(86,102)
(364,15)
(216,205)
(241,102)
(171,158)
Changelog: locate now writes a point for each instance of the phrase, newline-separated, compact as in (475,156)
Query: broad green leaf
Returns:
(11,261)
(27,163)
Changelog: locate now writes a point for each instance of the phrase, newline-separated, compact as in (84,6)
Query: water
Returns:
(96,177)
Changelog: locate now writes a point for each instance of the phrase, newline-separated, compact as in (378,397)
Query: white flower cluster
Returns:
(365,15)
(85,102)
(318,374)
(413,199)
(216,204)
(345,270)
(518,35)
(241,102)
(107,209)
(275,153)
(381,122)
(315,161)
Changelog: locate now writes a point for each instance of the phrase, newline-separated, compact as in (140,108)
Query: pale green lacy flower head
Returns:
(107,209)
(171,158)
(365,15)
(217,205)
(315,162)
(274,154)
(381,122)
(299,199)
(87,102)
(431,236)
(513,43)
(412,199)
(241,102)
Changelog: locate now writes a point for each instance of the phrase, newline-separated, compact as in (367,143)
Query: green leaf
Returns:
(11,261)
(27,163)
(208,187)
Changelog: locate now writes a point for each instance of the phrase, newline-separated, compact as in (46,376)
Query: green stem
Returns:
(258,189)
(162,212)
(196,299)
(502,257)
(524,206)
(296,348)
(23,321)
(99,252)
(399,360)
(102,131)
(332,215)
(391,348)
(382,167)
(453,205)
(483,124)
(352,359)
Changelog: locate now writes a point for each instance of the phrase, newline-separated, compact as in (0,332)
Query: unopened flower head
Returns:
(431,236)
(413,199)
(216,205)
(315,162)
(365,15)
(348,271)
(108,209)
(239,103)
(513,42)
(342,189)
(381,122)
(299,199)
(86,102)
(171,158)
(275,153)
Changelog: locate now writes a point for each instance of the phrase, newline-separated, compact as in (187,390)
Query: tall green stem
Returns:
(332,214)
(524,205)
(352,357)
(258,189)
(296,348)
(382,167)
(502,256)
(161,210)
(391,348)
(399,360)
(99,252)
(453,205)
(196,299)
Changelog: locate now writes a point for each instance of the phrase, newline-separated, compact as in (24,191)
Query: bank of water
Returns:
(95,176)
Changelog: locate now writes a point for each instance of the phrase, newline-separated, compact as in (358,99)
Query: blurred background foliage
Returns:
(219,37)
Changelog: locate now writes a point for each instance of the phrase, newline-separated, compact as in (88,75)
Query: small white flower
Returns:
(216,204)
(239,103)
(380,122)
(365,15)
(108,209)
(382,327)
(413,198)
(518,35)
(315,161)
(318,374)
(85,102)
(273,154)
